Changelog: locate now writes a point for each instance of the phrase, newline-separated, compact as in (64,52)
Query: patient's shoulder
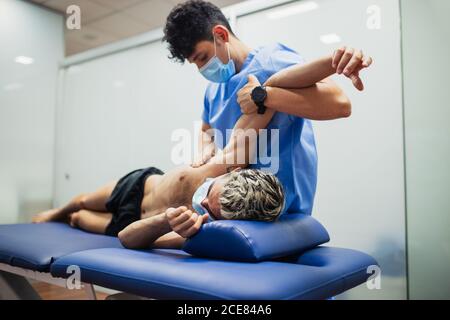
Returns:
(187,180)
(190,175)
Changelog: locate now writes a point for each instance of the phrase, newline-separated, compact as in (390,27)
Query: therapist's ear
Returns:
(221,33)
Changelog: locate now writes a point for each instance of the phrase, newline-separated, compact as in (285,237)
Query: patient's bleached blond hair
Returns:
(252,195)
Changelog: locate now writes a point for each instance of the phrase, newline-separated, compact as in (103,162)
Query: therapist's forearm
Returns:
(323,101)
(302,75)
(206,146)
(205,138)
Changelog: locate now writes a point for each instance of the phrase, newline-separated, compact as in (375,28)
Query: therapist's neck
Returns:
(239,52)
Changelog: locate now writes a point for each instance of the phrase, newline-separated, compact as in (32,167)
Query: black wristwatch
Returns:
(259,95)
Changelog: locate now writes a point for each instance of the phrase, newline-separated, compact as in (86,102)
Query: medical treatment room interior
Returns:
(81,106)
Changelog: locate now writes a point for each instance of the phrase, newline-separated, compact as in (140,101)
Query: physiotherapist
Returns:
(198,31)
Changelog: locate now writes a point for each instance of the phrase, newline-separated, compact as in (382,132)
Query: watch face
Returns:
(259,94)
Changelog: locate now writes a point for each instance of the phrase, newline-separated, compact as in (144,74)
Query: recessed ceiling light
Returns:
(12,86)
(24,60)
(74,69)
(292,10)
(330,38)
(118,84)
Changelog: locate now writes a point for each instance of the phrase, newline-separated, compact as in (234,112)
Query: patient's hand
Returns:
(185,222)
(350,62)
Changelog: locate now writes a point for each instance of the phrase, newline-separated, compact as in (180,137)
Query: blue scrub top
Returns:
(296,166)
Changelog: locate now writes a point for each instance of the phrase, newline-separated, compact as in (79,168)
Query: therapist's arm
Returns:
(206,146)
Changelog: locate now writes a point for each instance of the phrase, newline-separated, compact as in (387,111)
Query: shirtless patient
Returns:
(139,208)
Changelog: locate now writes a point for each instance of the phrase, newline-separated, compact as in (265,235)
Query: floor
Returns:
(51,292)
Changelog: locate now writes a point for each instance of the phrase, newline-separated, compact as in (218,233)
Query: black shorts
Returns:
(126,198)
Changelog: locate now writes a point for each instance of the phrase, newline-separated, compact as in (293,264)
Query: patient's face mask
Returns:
(200,195)
(217,71)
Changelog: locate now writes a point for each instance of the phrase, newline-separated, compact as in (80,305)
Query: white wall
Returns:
(426,52)
(118,114)
(27,107)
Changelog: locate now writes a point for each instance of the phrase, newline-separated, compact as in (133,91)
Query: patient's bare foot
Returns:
(46,216)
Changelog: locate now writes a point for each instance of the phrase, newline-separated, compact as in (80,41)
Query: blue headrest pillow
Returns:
(240,240)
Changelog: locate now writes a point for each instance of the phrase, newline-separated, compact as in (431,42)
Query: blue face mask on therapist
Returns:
(200,194)
(217,71)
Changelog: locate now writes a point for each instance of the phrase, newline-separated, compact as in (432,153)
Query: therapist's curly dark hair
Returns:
(189,23)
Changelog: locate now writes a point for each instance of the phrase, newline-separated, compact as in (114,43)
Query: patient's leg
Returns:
(94,201)
(91,221)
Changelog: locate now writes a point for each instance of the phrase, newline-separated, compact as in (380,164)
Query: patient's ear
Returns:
(233,169)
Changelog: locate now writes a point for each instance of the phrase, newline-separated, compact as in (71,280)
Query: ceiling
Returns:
(106,21)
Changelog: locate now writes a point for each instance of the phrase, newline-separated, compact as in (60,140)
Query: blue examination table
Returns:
(225,260)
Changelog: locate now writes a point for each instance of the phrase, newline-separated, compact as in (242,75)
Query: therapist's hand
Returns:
(350,62)
(185,222)
(244,97)
(200,160)
(204,156)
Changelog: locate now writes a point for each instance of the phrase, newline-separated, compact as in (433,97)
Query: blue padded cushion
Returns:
(240,240)
(35,246)
(318,273)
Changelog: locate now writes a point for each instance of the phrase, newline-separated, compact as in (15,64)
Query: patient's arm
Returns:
(161,232)
(301,76)
(241,146)
(322,101)
(171,240)
(345,60)
(311,95)
(306,90)
(140,234)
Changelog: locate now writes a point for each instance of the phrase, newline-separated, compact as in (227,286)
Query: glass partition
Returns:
(360,196)
(425,31)
(32,45)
